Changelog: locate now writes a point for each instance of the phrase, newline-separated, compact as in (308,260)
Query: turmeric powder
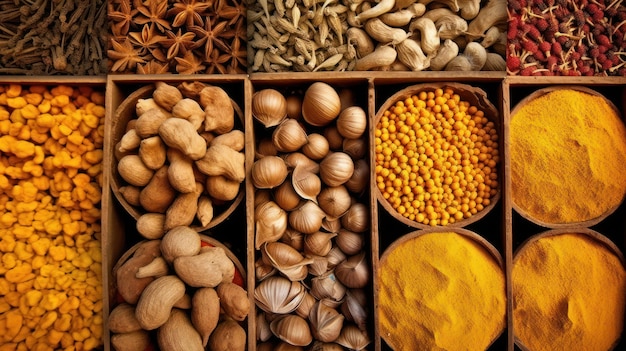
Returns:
(568,294)
(568,149)
(440,291)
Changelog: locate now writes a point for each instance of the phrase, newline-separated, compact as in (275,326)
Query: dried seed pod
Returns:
(205,312)
(234,300)
(292,329)
(277,294)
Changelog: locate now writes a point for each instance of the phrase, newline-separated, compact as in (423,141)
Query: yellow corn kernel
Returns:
(39,261)
(52,301)
(69,109)
(4,307)
(23,149)
(33,297)
(37,311)
(13,298)
(5,286)
(14,90)
(62,90)
(14,323)
(81,334)
(22,232)
(25,286)
(63,323)
(48,319)
(59,100)
(16,102)
(7,219)
(30,111)
(91,343)
(54,336)
(44,106)
(19,273)
(53,227)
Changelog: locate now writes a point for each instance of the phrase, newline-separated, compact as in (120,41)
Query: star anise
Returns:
(233,13)
(178,43)
(124,55)
(189,64)
(148,41)
(152,11)
(188,12)
(153,67)
(121,17)
(211,36)
(216,62)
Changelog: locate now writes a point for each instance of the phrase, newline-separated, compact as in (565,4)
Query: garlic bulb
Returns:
(323,346)
(292,329)
(298,159)
(353,338)
(319,265)
(336,168)
(261,196)
(307,218)
(269,107)
(286,197)
(306,183)
(335,256)
(265,147)
(294,106)
(334,200)
(357,218)
(349,242)
(263,270)
(360,177)
(269,172)
(355,148)
(331,225)
(335,140)
(263,332)
(271,223)
(347,98)
(277,294)
(305,307)
(352,122)
(321,104)
(287,260)
(354,307)
(326,322)
(353,272)
(289,136)
(318,243)
(317,147)
(293,238)
(285,346)
(327,286)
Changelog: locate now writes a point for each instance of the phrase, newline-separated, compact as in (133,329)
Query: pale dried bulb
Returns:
(289,136)
(353,338)
(352,122)
(292,329)
(347,98)
(305,307)
(331,225)
(265,147)
(355,148)
(335,256)
(335,140)
(357,218)
(321,104)
(306,183)
(263,332)
(294,106)
(270,223)
(287,260)
(317,147)
(350,242)
(268,172)
(334,200)
(327,286)
(307,218)
(336,168)
(323,346)
(277,294)
(354,272)
(269,107)
(263,270)
(298,159)
(318,243)
(293,238)
(286,197)
(359,181)
(354,307)
(262,196)
(326,322)
(319,265)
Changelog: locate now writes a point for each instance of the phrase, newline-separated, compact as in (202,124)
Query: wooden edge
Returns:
(250,224)
(53,80)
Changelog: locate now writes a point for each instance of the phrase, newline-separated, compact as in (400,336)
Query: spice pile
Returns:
(567,169)
(50,191)
(566,38)
(311,220)
(431,287)
(568,294)
(436,158)
(44,37)
(177,36)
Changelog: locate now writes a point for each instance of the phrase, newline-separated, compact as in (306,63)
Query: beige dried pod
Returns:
(184,303)
(206,269)
(152,152)
(267,345)
(129,141)
(156,301)
(158,194)
(326,322)
(132,169)
(355,148)
(359,181)
(149,122)
(228,336)
(223,160)
(306,183)
(354,272)
(179,334)
(298,159)
(222,188)
(447,51)
(269,107)
(293,238)
(334,200)
(166,95)
(268,172)
(277,294)
(265,147)
(151,225)
(307,218)
(352,122)
(144,105)
(180,134)
(205,210)
(205,312)
(122,319)
(190,110)
(157,268)
(353,338)
(219,113)
(354,307)
(450,26)
(327,286)
(180,241)
(321,104)
(132,341)
(318,243)
(317,147)
(292,329)
(286,196)
(270,223)
(180,172)
(308,301)
(350,242)
(494,62)
(183,209)
(357,218)
(289,136)
(234,300)
(130,193)
(235,139)
(128,285)
(336,168)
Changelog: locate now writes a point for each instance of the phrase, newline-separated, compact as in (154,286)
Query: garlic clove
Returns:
(294,106)
(293,238)
(306,183)
(355,148)
(265,346)
(268,172)
(288,261)
(336,168)
(354,307)
(321,104)
(318,243)
(335,140)
(331,225)
(347,98)
(263,332)
(335,256)
(317,147)
(265,147)
(334,200)
(350,242)
(271,223)
(269,107)
(263,270)
(305,307)
(277,294)
(324,346)
(292,329)
(327,286)
(326,322)
(319,265)
(353,338)
(289,136)
(298,159)
(261,196)
(354,272)
(359,181)
(285,346)
(307,218)
(286,196)
(352,122)
(357,218)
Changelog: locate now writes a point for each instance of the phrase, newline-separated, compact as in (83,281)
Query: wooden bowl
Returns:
(476,97)
(491,251)
(591,234)
(525,212)
(126,112)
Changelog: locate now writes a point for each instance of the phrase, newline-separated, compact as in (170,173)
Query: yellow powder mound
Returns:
(568,150)
(441,291)
(568,294)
